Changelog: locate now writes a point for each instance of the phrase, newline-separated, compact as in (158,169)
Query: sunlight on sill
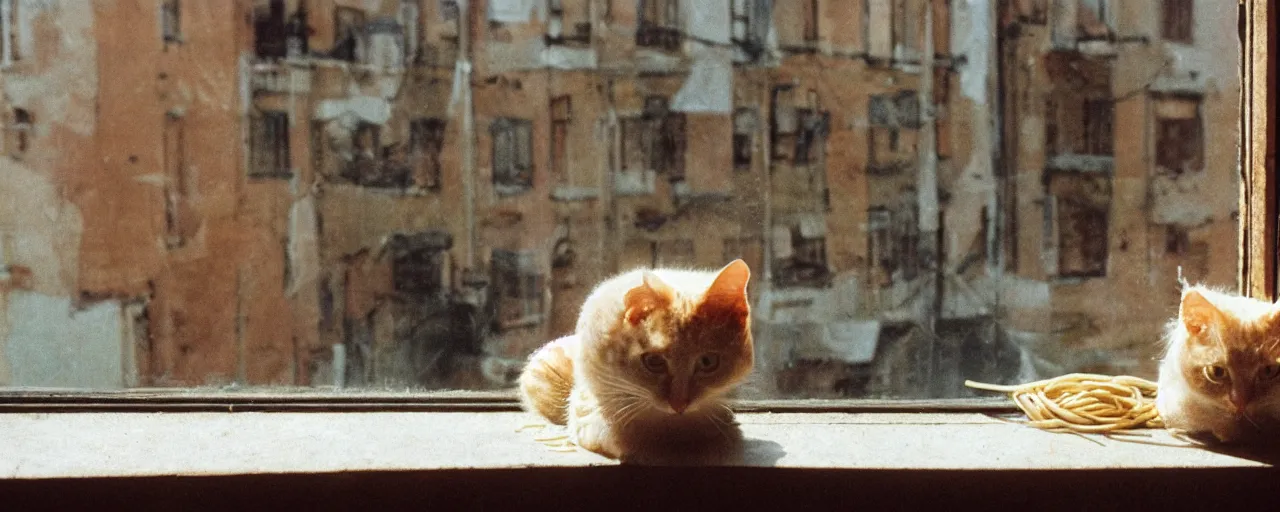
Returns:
(40,445)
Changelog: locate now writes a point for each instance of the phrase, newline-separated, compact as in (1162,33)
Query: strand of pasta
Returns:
(1085,402)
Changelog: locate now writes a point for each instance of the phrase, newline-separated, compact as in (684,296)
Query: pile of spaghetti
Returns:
(1085,403)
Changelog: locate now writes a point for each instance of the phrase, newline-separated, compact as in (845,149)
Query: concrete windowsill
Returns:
(153,444)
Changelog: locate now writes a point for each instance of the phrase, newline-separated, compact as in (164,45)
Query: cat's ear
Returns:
(728,293)
(652,294)
(1197,313)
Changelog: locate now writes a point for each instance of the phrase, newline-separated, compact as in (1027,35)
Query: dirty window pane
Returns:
(361,195)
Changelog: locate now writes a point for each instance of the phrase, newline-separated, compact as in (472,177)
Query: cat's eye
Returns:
(1269,372)
(708,363)
(1215,373)
(654,363)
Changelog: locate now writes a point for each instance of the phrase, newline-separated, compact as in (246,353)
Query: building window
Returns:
(561,115)
(1078,205)
(744,136)
(21,125)
(811,19)
(349,33)
(1177,20)
(171,20)
(889,116)
(520,288)
(893,239)
(9,37)
(799,133)
(1098,117)
(418,262)
(1081,126)
(1179,135)
(747,29)
(659,24)
(655,141)
(269,145)
(800,253)
(1177,241)
(811,136)
(426,142)
(512,155)
(568,22)
(269,39)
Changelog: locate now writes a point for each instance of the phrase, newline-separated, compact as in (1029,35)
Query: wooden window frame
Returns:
(518,176)
(284,157)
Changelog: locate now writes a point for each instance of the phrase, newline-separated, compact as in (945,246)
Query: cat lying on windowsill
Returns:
(1220,376)
(643,376)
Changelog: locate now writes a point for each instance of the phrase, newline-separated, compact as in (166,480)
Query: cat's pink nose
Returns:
(678,405)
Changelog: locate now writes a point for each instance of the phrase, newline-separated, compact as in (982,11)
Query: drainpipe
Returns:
(468,133)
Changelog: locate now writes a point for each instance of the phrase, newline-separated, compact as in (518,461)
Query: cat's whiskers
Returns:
(718,423)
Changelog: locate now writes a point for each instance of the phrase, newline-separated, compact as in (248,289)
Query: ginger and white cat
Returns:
(1221,370)
(643,376)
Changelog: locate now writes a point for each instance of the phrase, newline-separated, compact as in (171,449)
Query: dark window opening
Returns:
(803,258)
(426,142)
(269,40)
(269,145)
(655,141)
(1176,240)
(349,34)
(1081,204)
(749,22)
(520,288)
(891,114)
(811,137)
(1177,20)
(811,19)
(20,130)
(659,25)
(277,36)
(418,263)
(512,155)
(744,130)
(1179,135)
(171,20)
(893,240)
(1098,117)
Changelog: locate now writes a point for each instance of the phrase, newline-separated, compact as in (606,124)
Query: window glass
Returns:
(362,195)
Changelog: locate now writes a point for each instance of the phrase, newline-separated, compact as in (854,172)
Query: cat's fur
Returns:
(1221,371)
(642,377)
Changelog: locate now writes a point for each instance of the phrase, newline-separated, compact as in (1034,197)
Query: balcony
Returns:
(289,77)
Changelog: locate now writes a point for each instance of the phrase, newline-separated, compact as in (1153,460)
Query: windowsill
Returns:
(155,444)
